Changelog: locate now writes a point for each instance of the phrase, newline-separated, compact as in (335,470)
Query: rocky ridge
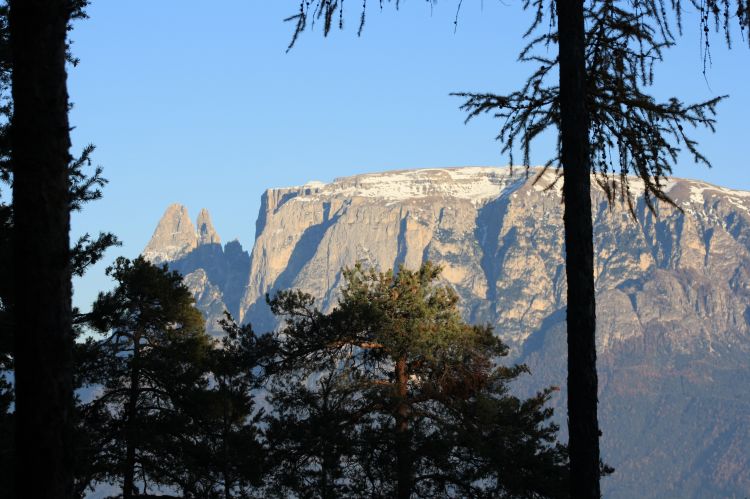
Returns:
(672,290)
(215,275)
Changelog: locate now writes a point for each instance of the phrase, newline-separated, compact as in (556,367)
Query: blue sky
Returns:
(199,103)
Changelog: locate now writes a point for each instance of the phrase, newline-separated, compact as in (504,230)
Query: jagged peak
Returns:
(206,232)
(234,247)
(173,237)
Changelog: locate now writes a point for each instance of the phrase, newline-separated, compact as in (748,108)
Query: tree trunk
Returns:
(583,426)
(40,144)
(226,431)
(326,484)
(328,457)
(403,451)
(131,425)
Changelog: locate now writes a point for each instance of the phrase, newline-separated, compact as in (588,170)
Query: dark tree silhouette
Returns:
(39,161)
(86,251)
(313,442)
(153,357)
(607,125)
(224,456)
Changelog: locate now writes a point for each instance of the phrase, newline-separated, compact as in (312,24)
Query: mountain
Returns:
(216,275)
(673,332)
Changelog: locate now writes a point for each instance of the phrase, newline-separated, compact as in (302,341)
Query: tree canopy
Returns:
(393,394)
(151,361)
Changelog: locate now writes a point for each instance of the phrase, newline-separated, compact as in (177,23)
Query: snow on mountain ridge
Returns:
(482,183)
(473,183)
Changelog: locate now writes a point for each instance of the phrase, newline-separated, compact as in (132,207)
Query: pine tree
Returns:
(47,184)
(42,278)
(223,452)
(153,356)
(314,445)
(6,361)
(389,391)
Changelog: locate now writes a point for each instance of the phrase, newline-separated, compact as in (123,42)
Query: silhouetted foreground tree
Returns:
(607,125)
(47,183)
(86,252)
(6,361)
(151,362)
(41,262)
(392,394)
(224,456)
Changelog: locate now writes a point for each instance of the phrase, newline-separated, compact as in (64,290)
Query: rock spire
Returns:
(206,232)
(174,236)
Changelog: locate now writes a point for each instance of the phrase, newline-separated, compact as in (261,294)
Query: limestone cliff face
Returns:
(673,290)
(499,237)
(307,234)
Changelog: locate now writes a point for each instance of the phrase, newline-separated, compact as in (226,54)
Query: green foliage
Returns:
(393,389)
(148,300)
(176,408)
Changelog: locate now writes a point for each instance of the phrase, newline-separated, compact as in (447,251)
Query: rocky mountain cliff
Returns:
(673,288)
(216,275)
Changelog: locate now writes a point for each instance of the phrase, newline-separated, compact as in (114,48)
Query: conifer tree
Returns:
(223,453)
(6,361)
(42,278)
(390,393)
(312,434)
(87,251)
(47,183)
(153,356)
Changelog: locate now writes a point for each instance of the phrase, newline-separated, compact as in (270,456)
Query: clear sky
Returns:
(199,103)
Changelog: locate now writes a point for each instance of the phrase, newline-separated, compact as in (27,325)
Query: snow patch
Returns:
(738,199)
(476,184)
(480,184)
(696,194)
